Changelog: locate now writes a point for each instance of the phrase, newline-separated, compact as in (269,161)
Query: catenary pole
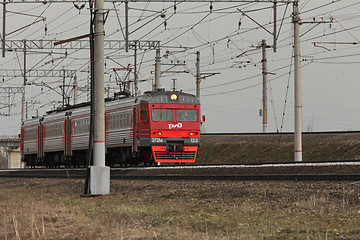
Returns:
(198,79)
(157,69)
(264,74)
(126,26)
(99,134)
(99,173)
(75,90)
(136,88)
(4,29)
(89,155)
(63,90)
(275,29)
(298,100)
(24,84)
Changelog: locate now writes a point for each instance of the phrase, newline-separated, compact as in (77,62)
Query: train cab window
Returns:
(144,116)
(162,115)
(186,115)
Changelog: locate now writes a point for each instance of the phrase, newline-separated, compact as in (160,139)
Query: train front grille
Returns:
(161,154)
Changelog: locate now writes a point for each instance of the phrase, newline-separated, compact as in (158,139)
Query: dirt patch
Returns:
(53,209)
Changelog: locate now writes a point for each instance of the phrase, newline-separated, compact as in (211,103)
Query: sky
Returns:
(228,41)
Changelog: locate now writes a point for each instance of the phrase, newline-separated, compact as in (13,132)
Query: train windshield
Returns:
(162,115)
(186,115)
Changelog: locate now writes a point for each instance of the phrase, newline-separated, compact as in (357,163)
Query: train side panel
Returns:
(29,139)
(80,128)
(119,123)
(54,133)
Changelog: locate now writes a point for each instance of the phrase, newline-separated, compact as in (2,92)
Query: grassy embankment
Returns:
(277,148)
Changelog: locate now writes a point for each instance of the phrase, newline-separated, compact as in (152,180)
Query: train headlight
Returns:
(191,134)
(173,97)
(159,133)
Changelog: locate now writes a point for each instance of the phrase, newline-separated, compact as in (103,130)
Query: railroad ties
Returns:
(325,171)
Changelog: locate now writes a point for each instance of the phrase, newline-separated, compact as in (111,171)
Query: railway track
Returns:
(325,171)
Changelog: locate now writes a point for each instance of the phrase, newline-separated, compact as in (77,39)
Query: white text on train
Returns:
(178,125)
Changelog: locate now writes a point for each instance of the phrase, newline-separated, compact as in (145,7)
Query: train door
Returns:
(107,123)
(144,123)
(67,133)
(22,140)
(40,142)
(135,125)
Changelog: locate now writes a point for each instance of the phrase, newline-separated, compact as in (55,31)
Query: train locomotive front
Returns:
(158,126)
(170,126)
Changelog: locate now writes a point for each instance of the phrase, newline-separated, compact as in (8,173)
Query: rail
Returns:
(326,171)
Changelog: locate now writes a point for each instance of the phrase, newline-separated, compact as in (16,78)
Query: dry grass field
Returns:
(54,209)
(201,210)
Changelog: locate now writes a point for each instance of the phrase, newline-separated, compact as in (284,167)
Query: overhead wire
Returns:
(251,86)
(197,45)
(47,7)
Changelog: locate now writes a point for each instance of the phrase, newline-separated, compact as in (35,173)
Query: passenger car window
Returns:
(186,115)
(162,115)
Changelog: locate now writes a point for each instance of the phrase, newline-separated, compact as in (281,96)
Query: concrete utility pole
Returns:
(126,26)
(4,27)
(136,88)
(63,92)
(298,101)
(198,78)
(157,69)
(75,90)
(264,73)
(275,28)
(24,84)
(99,173)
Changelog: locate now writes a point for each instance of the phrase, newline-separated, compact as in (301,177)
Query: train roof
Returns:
(158,96)
(169,97)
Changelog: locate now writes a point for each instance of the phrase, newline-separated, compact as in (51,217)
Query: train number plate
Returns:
(157,140)
(194,140)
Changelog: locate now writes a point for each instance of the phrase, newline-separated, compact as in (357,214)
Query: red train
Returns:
(159,126)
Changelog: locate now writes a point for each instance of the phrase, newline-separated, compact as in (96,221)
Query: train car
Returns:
(29,142)
(159,126)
